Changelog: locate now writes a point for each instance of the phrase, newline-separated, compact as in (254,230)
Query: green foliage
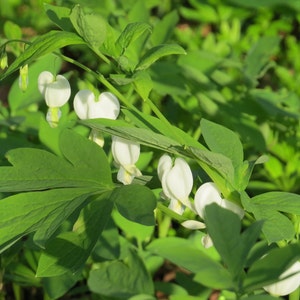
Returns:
(213,82)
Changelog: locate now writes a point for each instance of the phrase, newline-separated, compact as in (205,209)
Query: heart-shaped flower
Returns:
(126,153)
(86,106)
(177,182)
(56,91)
(208,193)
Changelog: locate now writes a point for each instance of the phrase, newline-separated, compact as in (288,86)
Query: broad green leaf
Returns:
(53,221)
(222,140)
(18,99)
(132,229)
(91,27)
(136,203)
(267,270)
(58,286)
(24,213)
(59,15)
(44,44)
(35,169)
(157,52)
(121,279)
(182,253)
(127,131)
(269,207)
(224,228)
(131,32)
(108,245)
(70,250)
(164,28)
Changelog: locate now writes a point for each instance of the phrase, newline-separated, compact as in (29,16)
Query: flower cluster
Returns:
(56,91)
(177,182)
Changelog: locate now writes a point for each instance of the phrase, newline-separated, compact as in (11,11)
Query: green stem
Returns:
(295,295)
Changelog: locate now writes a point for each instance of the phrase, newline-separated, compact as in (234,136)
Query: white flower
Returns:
(288,285)
(208,193)
(177,182)
(56,91)
(126,153)
(86,106)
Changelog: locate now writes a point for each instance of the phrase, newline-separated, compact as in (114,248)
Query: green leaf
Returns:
(42,45)
(267,270)
(158,52)
(121,279)
(224,228)
(132,32)
(59,15)
(136,203)
(127,131)
(182,253)
(35,169)
(70,250)
(91,27)
(269,208)
(24,213)
(222,140)
(56,287)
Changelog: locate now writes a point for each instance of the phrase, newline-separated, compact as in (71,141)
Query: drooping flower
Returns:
(177,182)
(288,285)
(56,91)
(206,194)
(126,153)
(86,107)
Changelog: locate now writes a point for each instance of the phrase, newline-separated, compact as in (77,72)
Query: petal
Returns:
(176,206)
(193,224)
(288,285)
(206,194)
(125,152)
(81,103)
(207,241)
(57,93)
(124,177)
(164,164)
(43,80)
(179,180)
(107,106)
